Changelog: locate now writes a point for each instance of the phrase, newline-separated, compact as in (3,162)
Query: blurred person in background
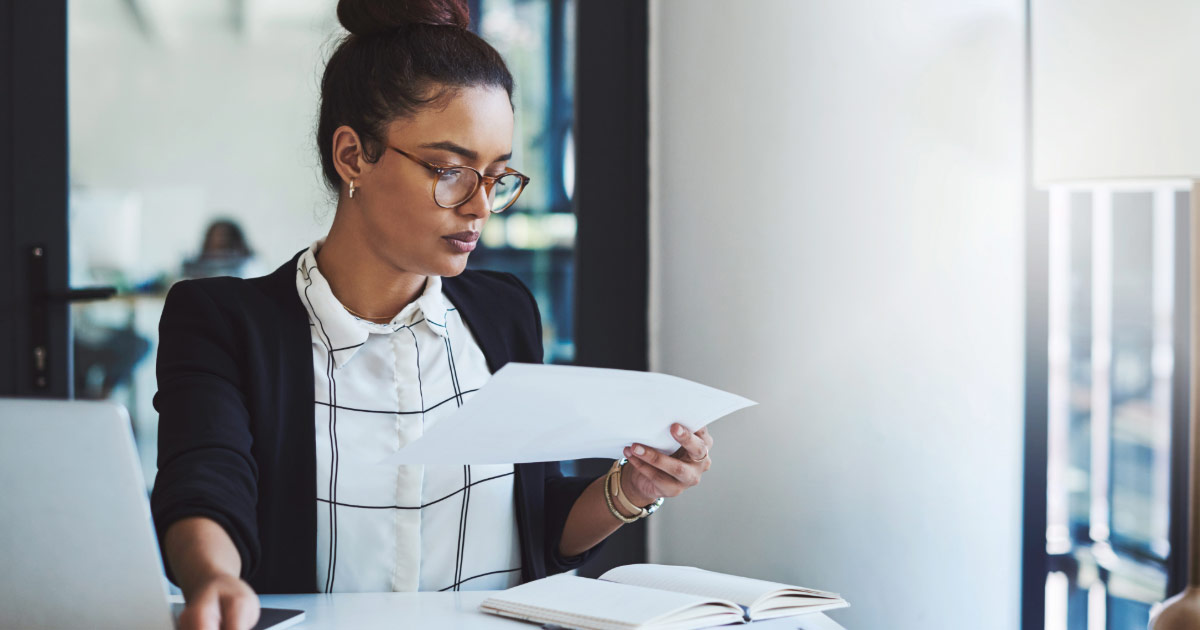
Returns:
(223,252)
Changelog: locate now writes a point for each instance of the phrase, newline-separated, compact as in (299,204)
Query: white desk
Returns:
(450,611)
(394,610)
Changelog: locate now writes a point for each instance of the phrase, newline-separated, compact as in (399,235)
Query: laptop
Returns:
(77,545)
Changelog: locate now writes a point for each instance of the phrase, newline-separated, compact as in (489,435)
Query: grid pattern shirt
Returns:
(391,527)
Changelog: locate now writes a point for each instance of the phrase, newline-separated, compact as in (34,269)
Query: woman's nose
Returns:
(479,205)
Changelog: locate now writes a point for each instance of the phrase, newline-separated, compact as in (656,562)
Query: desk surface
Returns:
(394,610)
(450,611)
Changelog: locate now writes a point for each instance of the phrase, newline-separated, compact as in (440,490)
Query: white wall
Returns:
(197,122)
(1121,67)
(837,219)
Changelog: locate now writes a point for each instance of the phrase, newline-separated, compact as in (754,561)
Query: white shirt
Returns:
(389,527)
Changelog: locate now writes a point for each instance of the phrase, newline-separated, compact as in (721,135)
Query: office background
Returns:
(825,207)
(182,114)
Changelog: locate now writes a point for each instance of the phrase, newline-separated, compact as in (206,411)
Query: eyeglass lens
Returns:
(455,185)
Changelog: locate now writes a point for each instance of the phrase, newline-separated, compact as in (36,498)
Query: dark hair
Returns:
(236,239)
(400,56)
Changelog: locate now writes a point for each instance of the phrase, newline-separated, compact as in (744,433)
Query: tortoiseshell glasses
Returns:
(454,185)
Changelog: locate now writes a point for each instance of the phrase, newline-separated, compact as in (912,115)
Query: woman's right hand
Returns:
(206,566)
(221,602)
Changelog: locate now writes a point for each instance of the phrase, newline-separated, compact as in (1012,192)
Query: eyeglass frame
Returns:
(480,181)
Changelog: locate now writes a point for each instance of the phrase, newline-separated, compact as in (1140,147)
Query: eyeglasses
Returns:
(455,185)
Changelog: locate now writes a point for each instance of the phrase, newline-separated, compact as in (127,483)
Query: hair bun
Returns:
(365,17)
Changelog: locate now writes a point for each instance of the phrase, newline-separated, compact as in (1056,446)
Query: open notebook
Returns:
(655,597)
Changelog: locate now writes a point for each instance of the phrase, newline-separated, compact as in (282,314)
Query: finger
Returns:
(664,484)
(195,618)
(694,446)
(239,611)
(674,467)
(704,434)
(201,613)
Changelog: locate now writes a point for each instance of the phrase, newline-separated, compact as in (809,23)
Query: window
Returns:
(1114,307)
(535,239)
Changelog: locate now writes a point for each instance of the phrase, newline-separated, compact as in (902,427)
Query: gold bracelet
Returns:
(613,471)
(624,500)
(643,512)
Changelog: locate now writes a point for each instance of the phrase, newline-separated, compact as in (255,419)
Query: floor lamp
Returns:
(1114,99)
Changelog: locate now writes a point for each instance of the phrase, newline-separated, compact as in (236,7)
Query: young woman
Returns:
(279,396)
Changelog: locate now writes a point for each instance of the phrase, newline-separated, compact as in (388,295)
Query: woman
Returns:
(364,339)
(224,252)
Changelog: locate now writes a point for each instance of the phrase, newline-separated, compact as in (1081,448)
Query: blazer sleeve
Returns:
(205,466)
(561,491)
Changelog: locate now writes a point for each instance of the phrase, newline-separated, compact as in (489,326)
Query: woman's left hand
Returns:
(656,475)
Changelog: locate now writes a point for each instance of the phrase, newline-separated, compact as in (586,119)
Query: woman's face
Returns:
(401,223)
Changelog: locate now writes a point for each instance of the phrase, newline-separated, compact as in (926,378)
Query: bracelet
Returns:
(624,500)
(612,488)
(612,472)
(618,492)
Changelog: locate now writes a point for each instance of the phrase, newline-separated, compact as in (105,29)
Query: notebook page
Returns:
(802,607)
(815,621)
(792,600)
(584,602)
(741,590)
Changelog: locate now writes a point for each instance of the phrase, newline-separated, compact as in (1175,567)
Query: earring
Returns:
(352,189)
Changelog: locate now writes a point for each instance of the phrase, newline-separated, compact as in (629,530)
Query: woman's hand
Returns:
(647,476)
(206,566)
(221,602)
(656,475)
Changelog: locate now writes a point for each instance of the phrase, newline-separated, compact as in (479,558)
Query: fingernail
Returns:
(626,451)
(639,450)
(679,429)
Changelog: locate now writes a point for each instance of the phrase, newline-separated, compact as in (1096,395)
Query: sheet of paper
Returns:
(811,621)
(535,413)
(743,591)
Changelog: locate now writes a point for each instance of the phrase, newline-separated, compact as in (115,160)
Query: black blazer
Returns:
(236,417)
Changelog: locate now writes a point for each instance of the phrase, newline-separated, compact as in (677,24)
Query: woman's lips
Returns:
(461,242)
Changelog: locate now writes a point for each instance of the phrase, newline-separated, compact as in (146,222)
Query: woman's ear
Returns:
(348,154)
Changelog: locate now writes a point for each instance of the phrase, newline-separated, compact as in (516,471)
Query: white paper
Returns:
(810,621)
(568,599)
(681,579)
(536,413)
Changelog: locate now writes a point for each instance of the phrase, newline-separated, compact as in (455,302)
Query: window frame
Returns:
(1036,562)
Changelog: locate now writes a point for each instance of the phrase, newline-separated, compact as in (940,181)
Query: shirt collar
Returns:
(344,333)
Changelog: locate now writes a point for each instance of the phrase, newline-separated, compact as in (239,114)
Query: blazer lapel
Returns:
(295,421)
(474,314)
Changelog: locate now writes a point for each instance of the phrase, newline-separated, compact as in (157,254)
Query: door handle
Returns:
(81,295)
(40,298)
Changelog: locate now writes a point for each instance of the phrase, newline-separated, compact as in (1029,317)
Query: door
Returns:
(33,208)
